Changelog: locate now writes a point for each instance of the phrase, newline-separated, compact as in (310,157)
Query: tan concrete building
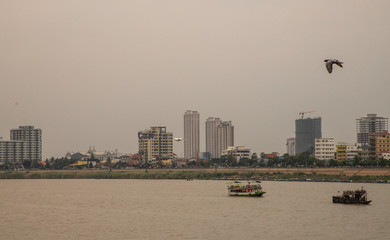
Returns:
(225,137)
(211,136)
(191,134)
(379,143)
(370,124)
(155,144)
(219,136)
(366,126)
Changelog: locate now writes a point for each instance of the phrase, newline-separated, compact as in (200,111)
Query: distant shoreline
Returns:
(269,174)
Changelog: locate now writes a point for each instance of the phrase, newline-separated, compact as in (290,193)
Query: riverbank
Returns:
(268,174)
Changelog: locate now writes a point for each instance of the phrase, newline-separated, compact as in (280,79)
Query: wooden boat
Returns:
(352,197)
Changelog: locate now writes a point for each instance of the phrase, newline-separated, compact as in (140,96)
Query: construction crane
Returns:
(303,113)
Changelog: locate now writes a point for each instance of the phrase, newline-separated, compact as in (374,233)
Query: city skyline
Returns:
(180,147)
(95,73)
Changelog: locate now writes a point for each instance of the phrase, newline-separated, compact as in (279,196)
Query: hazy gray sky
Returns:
(97,72)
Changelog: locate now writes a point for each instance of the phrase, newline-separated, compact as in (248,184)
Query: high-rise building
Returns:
(324,149)
(306,130)
(368,125)
(225,137)
(290,146)
(33,138)
(191,134)
(211,136)
(219,136)
(155,144)
(13,151)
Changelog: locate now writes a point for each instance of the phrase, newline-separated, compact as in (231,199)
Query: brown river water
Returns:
(180,209)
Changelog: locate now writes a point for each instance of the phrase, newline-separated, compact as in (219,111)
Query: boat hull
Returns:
(247,194)
(340,199)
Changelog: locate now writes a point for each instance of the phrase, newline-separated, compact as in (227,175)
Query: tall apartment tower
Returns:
(211,136)
(219,136)
(191,134)
(368,125)
(155,143)
(13,151)
(290,146)
(306,131)
(33,138)
(225,137)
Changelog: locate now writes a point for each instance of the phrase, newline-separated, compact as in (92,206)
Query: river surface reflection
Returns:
(179,209)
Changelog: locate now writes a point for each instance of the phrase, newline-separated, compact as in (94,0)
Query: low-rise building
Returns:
(347,152)
(324,148)
(238,152)
(353,151)
(92,154)
(385,155)
(341,152)
(378,142)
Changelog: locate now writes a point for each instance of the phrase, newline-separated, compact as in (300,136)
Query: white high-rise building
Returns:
(324,149)
(211,136)
(219,136)
(191,134)
(33,138)
(13,151)
(225,137)
(290,146)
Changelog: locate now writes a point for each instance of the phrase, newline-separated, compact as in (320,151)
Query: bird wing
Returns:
(329,66)
(339,64)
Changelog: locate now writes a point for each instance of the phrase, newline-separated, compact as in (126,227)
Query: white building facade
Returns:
(238,152)
(290,146)
(13,151)
(324,148)
(352,151)
(33,138)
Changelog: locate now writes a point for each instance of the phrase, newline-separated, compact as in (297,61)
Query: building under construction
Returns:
(370,124)
(306,131)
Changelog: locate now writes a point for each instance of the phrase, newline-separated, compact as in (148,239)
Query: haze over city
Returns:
(97,72)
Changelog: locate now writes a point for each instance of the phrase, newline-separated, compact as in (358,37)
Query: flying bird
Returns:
(178,139)
(329,64)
